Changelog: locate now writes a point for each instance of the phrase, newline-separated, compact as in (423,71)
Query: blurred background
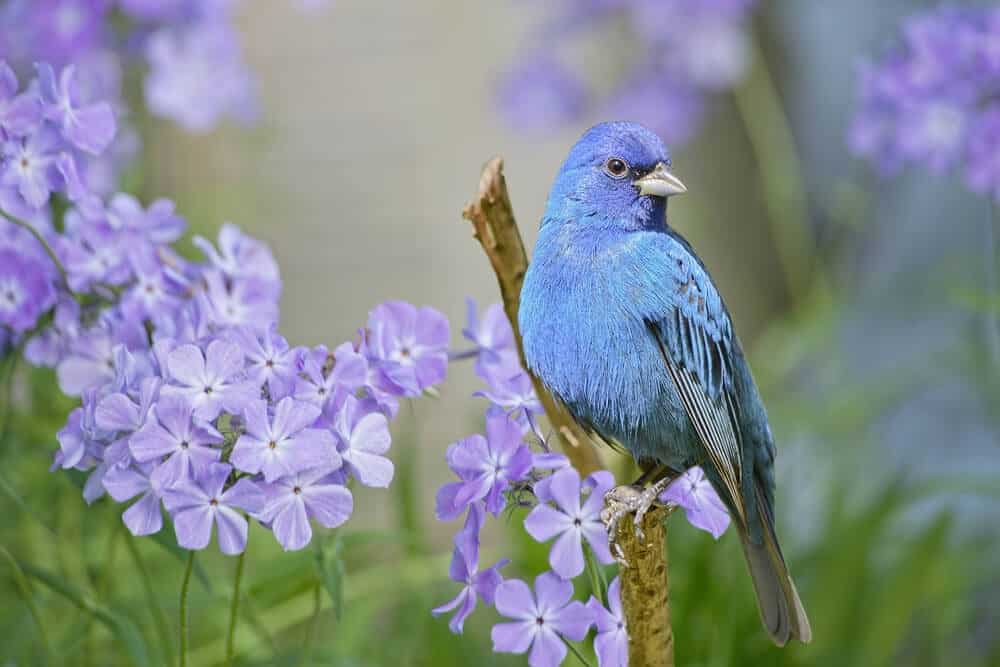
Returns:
(864,303)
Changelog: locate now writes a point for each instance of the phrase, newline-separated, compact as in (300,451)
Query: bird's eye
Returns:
(616,167)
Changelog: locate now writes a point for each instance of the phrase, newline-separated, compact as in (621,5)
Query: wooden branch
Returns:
(645,596)
(645,592)
(495,228)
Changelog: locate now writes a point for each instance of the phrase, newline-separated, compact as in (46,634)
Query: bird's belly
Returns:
(610,374)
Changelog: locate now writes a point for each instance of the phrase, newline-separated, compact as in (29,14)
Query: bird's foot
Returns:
(621,501)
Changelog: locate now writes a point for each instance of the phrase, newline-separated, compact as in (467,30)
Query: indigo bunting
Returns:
(623,324)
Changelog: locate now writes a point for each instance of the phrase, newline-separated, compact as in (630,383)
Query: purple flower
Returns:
(487,466)
(540,94)
(30,166)
(496,354)
(295,499)
(318,385)
(930,99)
(572,521)
(236,302)
(683,52)
(515,396)
(239,256)
(19,114)
(124,483)
(197,504)
(158,224)
(541,620)
(197,76)
(364,439)
(89,127)
(465,570)
(172,431)
(269,359)
(25,290)
(410,344)
(611,642)
(212,381)
(702,505)
(283,443)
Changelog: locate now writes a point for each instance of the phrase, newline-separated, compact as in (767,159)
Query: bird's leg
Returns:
(635,499)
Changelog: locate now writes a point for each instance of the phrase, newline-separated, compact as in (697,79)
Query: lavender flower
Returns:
(541,619)
(293,500)
(124,483)
(25,290)
(270,361)
(410,345)
(684,52)
(87,127)
(285,443)
(572,521)
(516,397)
(465,570)
(932,100)
(212,380)
(611,642)
(495,350)
(196,505)
(364,439)
(201,62)
(486,467)
(172,431)
(702,505)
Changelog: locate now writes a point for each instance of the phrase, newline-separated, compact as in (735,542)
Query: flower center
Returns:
(10,296)
(577,522)
(213,502)
(184,444)
(269,363)
(297,490)
(272,445)
(539,620)
(208,390)
(404,352)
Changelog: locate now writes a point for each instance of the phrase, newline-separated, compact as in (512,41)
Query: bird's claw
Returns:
(621,501)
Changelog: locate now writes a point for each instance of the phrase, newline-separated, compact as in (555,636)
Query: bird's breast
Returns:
(585,336)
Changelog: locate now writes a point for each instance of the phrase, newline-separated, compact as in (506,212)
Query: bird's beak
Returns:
(660,183)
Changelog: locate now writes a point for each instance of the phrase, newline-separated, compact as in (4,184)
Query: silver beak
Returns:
(660,183)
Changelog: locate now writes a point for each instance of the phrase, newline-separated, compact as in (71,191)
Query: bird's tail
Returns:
(780,608)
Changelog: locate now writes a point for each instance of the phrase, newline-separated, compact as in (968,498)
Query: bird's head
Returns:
(616,176)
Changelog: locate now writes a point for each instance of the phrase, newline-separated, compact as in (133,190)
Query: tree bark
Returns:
(645,596)
(495,228)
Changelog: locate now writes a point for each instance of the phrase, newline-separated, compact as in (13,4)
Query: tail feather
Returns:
(780,607)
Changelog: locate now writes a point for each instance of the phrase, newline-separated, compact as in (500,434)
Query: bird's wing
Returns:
(696,340)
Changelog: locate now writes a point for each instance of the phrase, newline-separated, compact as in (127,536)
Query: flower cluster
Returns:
(681,52)
(500,471)
(934,99)
(192,401)
(188,51)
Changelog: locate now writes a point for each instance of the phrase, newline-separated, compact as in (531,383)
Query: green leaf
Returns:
(330,567)
(123,629)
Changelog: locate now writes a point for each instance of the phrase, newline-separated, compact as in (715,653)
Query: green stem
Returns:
(234,608)
(575,651)
(773,143)
(29,599)
(45,244)
(313,622)
(598,582)
(159,618)
(183,608)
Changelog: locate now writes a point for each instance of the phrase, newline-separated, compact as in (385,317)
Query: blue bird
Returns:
(622,323)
